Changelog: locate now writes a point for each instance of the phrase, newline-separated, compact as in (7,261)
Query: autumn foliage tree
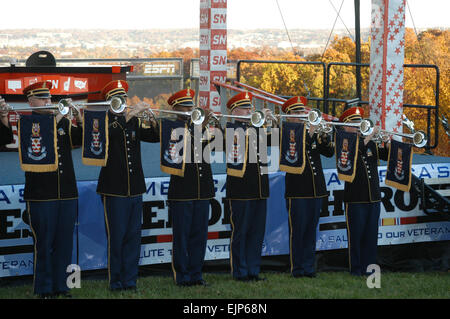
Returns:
(428,47)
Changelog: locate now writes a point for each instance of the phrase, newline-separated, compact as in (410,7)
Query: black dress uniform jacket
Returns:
(311,183)
(255,182)
(60,184)
(365,188)
(197,182)
(6,134)
(123,174)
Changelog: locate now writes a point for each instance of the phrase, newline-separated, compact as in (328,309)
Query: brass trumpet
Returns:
(61,107)
(314,117)
(365,127)
(197,115)
(117,104)
(419,138)
(256,119)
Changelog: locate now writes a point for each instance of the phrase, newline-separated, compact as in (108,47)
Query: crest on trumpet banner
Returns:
(38,143)
(237,141)
(399,164)
(347,145)
(115,88)
(292,148)
(346,153)
(39,90)
(173,146)
(95,138)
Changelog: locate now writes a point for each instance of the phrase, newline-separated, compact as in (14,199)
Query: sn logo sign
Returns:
(219,60)
(219,39)
(219,18)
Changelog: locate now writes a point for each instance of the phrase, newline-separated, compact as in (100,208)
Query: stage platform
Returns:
(11,173)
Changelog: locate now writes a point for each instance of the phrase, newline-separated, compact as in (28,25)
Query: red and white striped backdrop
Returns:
(386,63)
(213,51)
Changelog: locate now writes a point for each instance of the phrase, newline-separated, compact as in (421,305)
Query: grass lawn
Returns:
(279,285)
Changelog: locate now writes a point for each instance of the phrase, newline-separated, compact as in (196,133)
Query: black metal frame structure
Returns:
(327,100)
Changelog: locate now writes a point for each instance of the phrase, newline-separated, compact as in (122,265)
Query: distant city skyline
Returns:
(179,14)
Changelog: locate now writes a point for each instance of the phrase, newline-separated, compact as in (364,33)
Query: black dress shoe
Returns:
(131,288)
(256,278)
(184,284)
(244,279)
(298,275)
(63,294)
(311,275)
(200,282)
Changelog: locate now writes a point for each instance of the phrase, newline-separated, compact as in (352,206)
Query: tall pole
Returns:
(358,48)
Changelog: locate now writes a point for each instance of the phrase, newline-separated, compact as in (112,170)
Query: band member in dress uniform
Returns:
(304,193)
(52,202)
(362,198)
(247,195)
(121,184)
(189,201)
(6,134)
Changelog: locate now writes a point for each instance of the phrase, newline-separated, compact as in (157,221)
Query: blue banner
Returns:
(401,222)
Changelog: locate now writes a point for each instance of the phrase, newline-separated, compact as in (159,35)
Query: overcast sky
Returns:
(170,14)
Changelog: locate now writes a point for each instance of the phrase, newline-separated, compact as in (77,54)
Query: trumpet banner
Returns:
(236,148)
(38,143)
(346,153)
(173,146)
(95,138)
(398,173)
(292,148)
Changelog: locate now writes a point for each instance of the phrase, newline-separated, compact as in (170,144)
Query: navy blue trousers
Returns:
(123,216)
(362,231)
(52,223)
(190,235)
(248,225)
(304,216)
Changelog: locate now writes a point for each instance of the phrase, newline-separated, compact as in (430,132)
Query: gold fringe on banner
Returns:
(290,169)
(397,185)
(39,168)
(96,161)
(343,177)
(240,172)
(172,170)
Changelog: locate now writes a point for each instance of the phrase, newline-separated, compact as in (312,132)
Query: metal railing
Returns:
(330,103)
(318,100)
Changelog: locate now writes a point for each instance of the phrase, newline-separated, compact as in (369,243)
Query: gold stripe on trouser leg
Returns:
(35,245)
(231,239)
(109,238)
(172,262)
(173,266)
(290,236)
(348,239)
